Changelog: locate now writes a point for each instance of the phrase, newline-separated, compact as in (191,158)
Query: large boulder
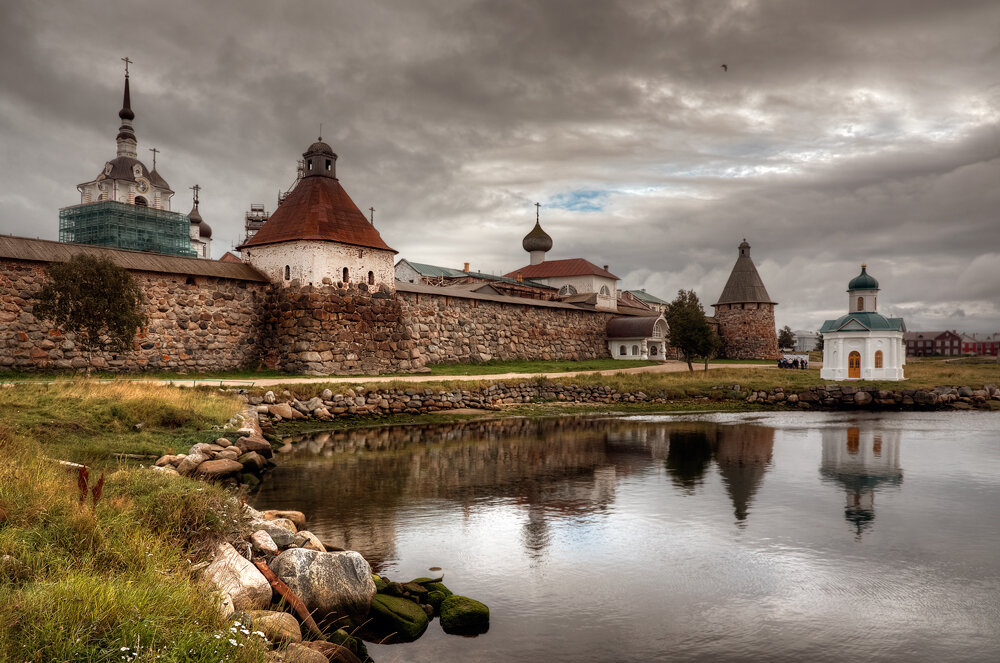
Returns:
(331,584)
(397,618)
(333,652)
(216,469)
(296,517)
(276,626)
(462,615)
(190,462)
(234,575)
(283,410)
(261,446)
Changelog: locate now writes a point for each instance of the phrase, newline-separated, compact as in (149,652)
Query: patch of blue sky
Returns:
(581,200)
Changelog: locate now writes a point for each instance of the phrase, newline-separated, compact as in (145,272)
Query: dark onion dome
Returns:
(122,168)
(126,112)
(319,147)
(537,240)
(204,230)
(863,281)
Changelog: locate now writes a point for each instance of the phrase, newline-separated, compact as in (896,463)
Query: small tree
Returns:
(786,339)
(819,344)
(690,332)
(95,300)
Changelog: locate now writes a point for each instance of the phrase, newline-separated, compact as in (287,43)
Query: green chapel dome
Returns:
(863,281)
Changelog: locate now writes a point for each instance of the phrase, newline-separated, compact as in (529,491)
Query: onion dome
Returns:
(320,160)
(863,281)
(318,147)
(537,240)
(204,230)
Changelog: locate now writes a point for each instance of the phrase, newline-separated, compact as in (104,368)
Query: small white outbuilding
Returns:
(864,344)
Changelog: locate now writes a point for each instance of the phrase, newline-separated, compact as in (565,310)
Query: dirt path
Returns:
(665,367)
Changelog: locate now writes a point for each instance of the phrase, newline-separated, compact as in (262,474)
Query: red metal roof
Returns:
(568,267)
(229,257)
(318,208)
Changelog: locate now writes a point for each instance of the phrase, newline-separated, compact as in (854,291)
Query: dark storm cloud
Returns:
(841,133)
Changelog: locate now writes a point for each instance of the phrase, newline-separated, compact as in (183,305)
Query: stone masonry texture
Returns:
(196,324)
(747,333)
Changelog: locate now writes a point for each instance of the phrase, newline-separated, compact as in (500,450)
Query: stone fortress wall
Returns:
(202,323)
(196,323)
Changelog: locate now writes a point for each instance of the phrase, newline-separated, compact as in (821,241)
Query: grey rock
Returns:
(262,541)
(190,462)
(334,584)
(326,395)
(234,575)
(281,536)
(278,627)
(269,397)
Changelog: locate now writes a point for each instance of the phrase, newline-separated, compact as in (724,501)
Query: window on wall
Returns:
(288,272)
(622,350)
(371,278)
(861,303)
(652,351)
(635,350)
(347,276)
(605,291)
(567,290)
(878,359)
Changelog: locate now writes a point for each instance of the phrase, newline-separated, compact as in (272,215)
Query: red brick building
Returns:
(987,345)
(922,344)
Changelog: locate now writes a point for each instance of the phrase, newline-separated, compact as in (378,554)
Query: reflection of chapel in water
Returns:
(862,460)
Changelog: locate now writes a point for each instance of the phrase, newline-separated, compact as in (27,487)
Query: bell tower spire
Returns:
(127,142)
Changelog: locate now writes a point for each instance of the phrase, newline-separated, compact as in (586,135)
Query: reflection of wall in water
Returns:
(862,459)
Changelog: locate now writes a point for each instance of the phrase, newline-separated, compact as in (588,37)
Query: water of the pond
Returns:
(713,537)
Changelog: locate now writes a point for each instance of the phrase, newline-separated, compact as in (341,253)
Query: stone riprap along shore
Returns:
(361,402)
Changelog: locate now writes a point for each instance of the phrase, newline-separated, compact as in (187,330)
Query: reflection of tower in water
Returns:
(743,455)
(862,460)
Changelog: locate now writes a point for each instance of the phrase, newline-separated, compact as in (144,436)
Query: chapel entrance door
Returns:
(854,365)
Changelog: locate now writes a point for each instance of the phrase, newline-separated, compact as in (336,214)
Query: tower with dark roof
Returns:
(318,236)
(127,206)
(745,313)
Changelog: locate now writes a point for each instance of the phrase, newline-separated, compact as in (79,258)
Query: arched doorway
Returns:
(854,365)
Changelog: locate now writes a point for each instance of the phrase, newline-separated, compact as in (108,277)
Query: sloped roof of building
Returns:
(863,322)
(424,289)
(646,297)
(925,335)
(433,271)
(744,284)
(43,250)
(633,327)
(318,208)
(555,268)
(230,257)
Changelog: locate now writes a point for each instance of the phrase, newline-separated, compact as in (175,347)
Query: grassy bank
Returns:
(111,581)
(90,422)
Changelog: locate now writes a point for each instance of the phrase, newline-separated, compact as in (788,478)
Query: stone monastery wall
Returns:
(203,323)
(196,323)
(454,329)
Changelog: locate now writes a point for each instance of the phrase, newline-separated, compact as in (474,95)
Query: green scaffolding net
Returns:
(123,226)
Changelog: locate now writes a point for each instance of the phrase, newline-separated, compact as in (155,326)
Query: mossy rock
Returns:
(416,589)
(435,599)
(400,616)
(438,587)
(345,639)
(394,589)
(464,616)
(424,581)
(250,480)
(380,583)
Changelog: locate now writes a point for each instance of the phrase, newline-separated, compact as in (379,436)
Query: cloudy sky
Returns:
(843,132)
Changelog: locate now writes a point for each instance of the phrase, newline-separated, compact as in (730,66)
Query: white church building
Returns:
(864,344)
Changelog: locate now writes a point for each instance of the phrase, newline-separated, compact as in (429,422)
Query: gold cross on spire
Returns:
(538,207)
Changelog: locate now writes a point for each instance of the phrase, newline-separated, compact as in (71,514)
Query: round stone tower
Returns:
(745,313)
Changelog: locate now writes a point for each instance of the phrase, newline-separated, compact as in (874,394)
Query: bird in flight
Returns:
(725,67)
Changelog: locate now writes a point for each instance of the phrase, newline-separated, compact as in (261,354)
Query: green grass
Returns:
(110,582)
(90,422)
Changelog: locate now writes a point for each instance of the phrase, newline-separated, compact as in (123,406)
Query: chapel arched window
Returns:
(347,276)
(861,303)
(878,359)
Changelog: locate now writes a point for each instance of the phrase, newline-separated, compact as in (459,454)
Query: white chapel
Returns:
(864,344)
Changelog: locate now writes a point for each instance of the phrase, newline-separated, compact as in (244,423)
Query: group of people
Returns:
(796,362)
